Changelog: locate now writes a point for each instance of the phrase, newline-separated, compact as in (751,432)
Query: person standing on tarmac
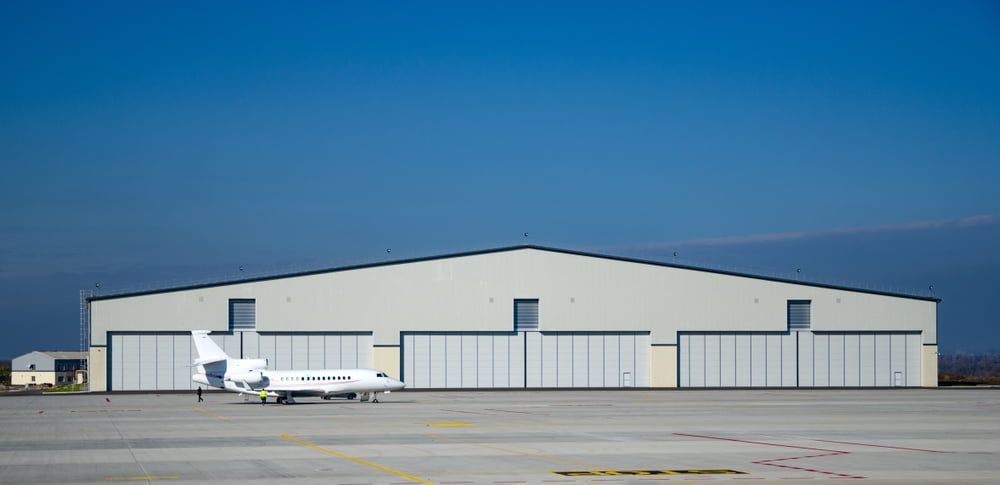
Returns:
(263,397)
(199,394)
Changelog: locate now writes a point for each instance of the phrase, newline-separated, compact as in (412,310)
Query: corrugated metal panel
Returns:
(883,375)
(897,359)
(773,357)
(407,357)
(267,349)
(300,352)
(713,360)
(438,364)
(117,379)
(799,317)
(470,362)
(758,360)
(742,358)
(516,365)
(317,352)
(484,356)
(525,315)
(332,358)
(696,360)
(501,361)
(867,359)
(130,363)
(852,360)
(453,361)
(595,363)
(421,361)
(642,344)
(533,358)
(727,360)
(231,346)
(837,363)
(821,360)
(349,351)
(550,361)
(250,341)
(283,352)
(164,362)
(147,362)
(805,373)
(366,353)
(789,360)
(182,362)
(626,359)
(581,360)
(564,361)
(913,359)
(242,315)
(684,360)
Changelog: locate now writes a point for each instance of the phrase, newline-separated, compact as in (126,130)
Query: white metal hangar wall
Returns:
(527,317)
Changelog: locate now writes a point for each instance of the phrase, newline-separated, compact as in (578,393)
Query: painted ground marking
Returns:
(140,478)
(772,461)
(209,413)
(537,456)
(612,473)
(355,460)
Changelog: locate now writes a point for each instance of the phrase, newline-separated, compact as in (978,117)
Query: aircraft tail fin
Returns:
(208,350)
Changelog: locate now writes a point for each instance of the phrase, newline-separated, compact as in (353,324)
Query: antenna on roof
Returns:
(388,250)
(525,235)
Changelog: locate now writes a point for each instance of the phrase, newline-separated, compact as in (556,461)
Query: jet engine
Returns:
(252,377)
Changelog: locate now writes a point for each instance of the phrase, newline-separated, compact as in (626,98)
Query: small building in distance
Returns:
(55,368)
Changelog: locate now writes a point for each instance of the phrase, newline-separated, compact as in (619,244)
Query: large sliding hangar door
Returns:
(162,360)
(799,359)
(451,360)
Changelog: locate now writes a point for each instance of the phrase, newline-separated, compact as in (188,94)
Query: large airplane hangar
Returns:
(526,317)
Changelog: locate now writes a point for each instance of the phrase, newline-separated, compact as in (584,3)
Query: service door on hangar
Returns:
(162,360)
(799,359)
(443,360)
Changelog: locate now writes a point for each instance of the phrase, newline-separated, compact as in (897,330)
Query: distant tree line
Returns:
(4,372)
(969,369)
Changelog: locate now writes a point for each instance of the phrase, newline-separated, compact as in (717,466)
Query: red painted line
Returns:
(518,412)
(467,412)
(759,443)
(771,462)
(882,446)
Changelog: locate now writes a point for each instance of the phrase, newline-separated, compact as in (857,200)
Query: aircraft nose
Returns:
(398,385)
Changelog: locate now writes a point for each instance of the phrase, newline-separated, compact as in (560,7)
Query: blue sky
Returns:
(144,144)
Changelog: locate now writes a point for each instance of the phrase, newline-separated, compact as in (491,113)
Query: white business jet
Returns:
(250,376)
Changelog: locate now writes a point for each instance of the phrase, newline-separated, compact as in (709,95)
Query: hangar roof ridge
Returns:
(252,279)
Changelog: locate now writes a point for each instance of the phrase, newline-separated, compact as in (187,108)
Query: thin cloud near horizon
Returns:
(970,221)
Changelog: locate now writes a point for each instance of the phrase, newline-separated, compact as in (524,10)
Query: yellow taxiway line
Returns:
(355,460)
(209,413)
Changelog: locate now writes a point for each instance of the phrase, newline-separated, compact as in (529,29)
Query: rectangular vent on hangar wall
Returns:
(242,315)
(526,315)
(799,315)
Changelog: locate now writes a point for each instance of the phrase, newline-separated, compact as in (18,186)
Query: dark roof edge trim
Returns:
(507,249)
